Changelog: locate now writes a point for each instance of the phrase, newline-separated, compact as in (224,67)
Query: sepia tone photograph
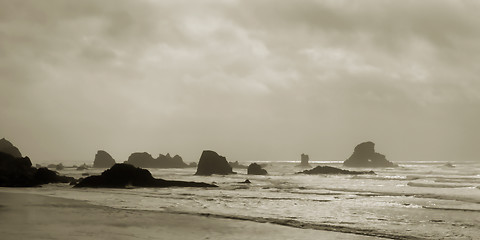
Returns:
(239,119)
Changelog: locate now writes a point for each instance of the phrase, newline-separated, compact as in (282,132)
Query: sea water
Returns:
(426,200)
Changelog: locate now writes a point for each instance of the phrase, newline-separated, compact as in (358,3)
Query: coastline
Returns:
(33,216)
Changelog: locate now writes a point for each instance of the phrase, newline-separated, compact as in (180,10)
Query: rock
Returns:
(124,175)
(59,167)
(103,160)
(255,169)
(145,160)
(304,161)
(333,170)
(18,172)
(449,165)
(192,165)
(212,163)
(246,181)
(83,167)
(8,148)
(364,155)
(236,164)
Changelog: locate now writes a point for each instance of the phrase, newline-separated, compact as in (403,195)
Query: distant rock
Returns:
(145,160)
(59,167)
(103,160)
(82,167)
(212,163)
(255,169)
(246,181)
(236,164)
(304,158)
(364,155)
(449,165)
(333,170)
(192,165)
(123,175)
(18,172)
(8,148)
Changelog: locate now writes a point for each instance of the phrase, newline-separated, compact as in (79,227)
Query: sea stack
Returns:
(333,170)
(364,155)
(8,148)
(304,160)
(103,160)
(212,163)
(255,169)
(145,160)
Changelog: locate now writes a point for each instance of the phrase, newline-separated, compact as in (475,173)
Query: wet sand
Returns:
(31,216)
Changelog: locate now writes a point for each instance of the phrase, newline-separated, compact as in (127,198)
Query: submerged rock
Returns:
(103,160)
(255,169)
(8,148)
(364,155)
(333,170)
(212,163)
(122,175)
(236,164)
(145,160)
(18,172)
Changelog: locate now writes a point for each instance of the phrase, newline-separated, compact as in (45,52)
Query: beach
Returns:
(32,216)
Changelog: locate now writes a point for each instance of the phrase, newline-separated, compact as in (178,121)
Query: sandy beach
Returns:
(31,216)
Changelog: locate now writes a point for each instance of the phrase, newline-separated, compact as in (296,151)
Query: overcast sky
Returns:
(252,80)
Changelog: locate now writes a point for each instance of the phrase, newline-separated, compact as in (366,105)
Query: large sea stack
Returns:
(9,148)
(145,160)
(212,163)
(365,156)
(103,160)
(124,175)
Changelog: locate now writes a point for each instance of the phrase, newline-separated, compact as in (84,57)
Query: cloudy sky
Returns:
(253,80)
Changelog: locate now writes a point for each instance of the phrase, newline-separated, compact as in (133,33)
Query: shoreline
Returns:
(34,216)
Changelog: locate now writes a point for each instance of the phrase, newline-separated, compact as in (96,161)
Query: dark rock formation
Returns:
(59,167)
(82,167)
(212,163)
(333,170)
(145,160)
(246,181)
(192,165)
(255,169)
(103,160)
(122,175)
(236,164)
(364,155)
(7,147)
(304,161)
(18,172)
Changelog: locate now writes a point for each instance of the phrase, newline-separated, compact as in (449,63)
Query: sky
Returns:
(260,80)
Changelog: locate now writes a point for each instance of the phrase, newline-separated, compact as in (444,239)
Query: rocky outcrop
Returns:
(8,148)
(364,155)
(103,160)
(304,161)
(123,175)
(255,169)
(333,170)
(212,163)
(236,164)
(18,172)
(145,160)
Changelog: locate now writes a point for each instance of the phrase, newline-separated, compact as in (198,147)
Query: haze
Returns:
(252,80)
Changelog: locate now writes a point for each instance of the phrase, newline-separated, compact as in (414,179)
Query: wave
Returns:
(437,185)
(305,225)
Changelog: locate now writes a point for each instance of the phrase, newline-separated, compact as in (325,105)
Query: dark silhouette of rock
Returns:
(304,161)
(212,163)
(236,164)
(255,169)
(8,148)
(145,160)
(246,181)
(103,160)
(364,155)
(59,167)
(333,170)
(123,175)
(18,172)
(192,165)
(82,167)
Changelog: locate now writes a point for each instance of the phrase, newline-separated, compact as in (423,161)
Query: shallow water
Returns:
(415,200)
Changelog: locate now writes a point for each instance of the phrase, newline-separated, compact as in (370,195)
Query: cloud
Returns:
(253,79)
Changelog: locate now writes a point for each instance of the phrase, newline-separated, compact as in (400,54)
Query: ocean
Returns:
(423,200)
